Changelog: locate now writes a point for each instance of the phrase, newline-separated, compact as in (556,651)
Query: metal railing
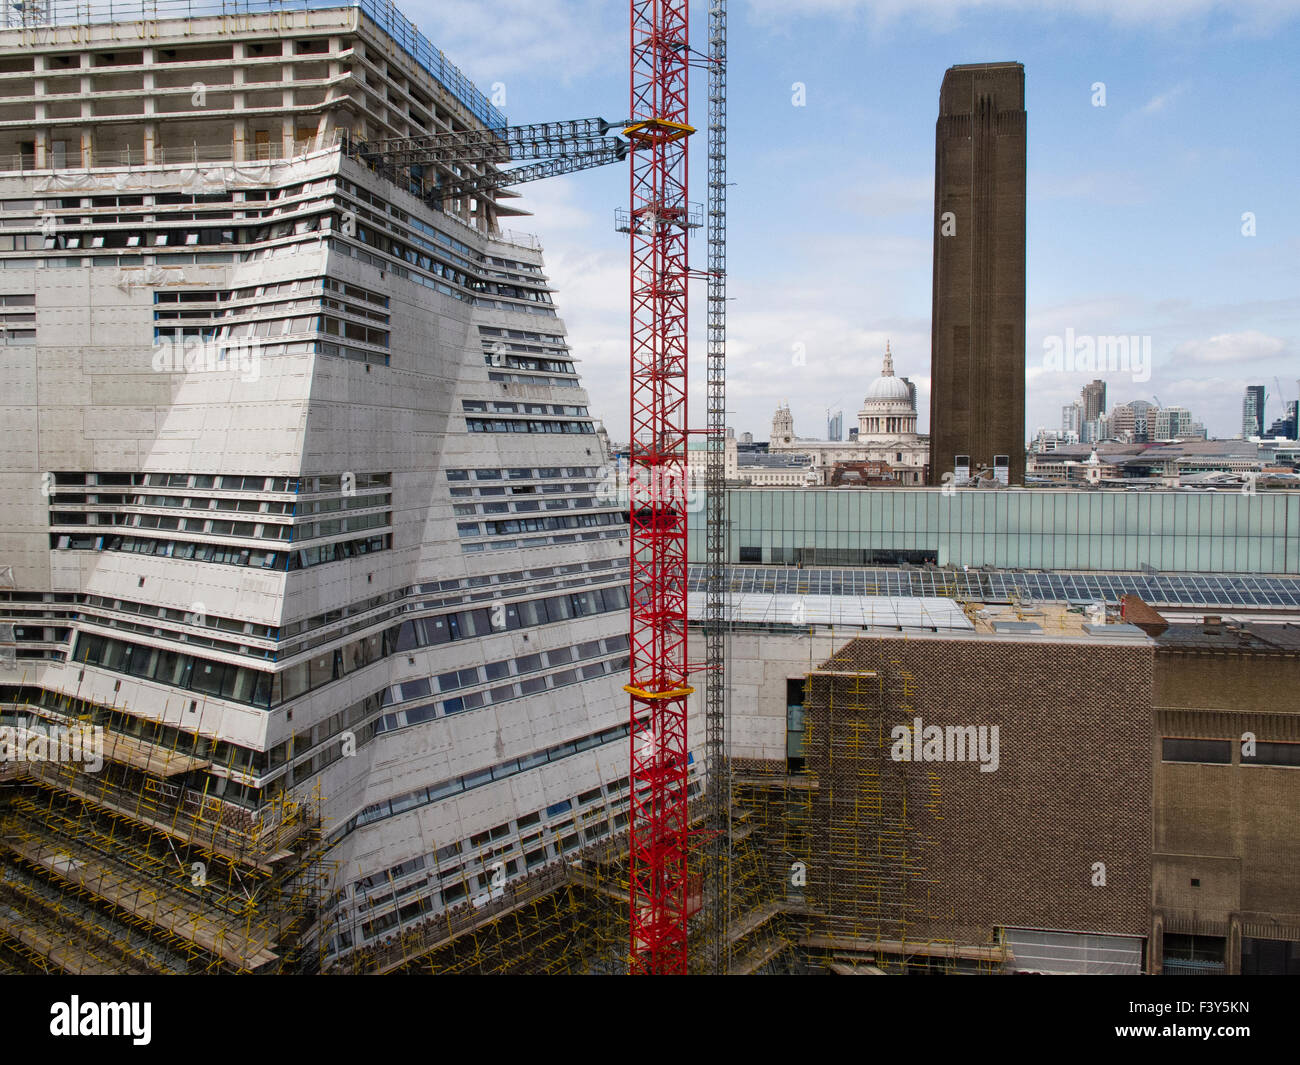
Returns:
(383,13)
(202,819)
(518,239)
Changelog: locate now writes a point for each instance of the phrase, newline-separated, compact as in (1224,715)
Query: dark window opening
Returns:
(1214,752)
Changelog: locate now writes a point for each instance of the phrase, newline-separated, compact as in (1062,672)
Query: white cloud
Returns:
(1238,349)
(1162,100)
(1250,15)
(566,39)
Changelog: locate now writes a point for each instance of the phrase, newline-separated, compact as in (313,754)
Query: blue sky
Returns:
(1134,209)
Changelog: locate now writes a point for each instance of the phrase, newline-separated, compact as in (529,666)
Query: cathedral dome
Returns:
(889,411)
(889,389)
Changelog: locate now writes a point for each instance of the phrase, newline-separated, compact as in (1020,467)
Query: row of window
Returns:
(478,406)
(206,642)
(128,606)
(69,262)
(245,529)
(177,670)
(418,278)
(418,715)
(522,506)
(548,523)
(113,239)
(351,501)
(296,293)
(503,346)
(387,209)
(529,489)
(554,339)
(239,506)
(522,425)
(481,621)
(469,547)
(1219,752)
(337,552)
(269,328)
(472,675)
(337,526)
(520,362)
(225,554)
(516,379)
(543,473)
(450,266)
(594,571)
(262,689)
(223,482)
(18,318)
(385,242)
(412,800)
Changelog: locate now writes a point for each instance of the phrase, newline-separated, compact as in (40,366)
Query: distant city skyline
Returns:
(1274,409)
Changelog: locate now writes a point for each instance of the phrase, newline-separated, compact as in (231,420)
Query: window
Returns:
(18,319)
(1185,953)
(1214,752)
(1273,754)
(1269,957)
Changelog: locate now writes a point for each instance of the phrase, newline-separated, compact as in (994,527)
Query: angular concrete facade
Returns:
(300,485)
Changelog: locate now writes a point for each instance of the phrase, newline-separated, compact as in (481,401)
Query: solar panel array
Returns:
(1170,590)
(939,614)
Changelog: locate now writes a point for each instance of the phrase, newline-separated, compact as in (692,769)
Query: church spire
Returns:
(888,369)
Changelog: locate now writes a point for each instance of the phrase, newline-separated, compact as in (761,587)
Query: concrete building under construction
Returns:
(300,522)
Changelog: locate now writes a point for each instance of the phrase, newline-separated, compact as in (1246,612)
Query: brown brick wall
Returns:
(964,851)
(1230,827)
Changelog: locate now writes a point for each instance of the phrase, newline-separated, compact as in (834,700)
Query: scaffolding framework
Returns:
(718,796)
(572,918)
(825,868)
(873,889)
(126,870)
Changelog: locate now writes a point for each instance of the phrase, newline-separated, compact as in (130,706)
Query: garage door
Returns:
(1036,951)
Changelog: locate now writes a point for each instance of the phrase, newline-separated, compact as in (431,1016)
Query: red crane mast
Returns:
(657,222)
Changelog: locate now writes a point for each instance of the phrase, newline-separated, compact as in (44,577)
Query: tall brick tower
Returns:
(977,396)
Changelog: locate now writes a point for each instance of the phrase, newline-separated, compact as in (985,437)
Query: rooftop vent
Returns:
(1027,628)
(1122,629)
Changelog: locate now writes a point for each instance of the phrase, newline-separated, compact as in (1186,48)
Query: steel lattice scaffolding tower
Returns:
(658,220)
(718,821)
